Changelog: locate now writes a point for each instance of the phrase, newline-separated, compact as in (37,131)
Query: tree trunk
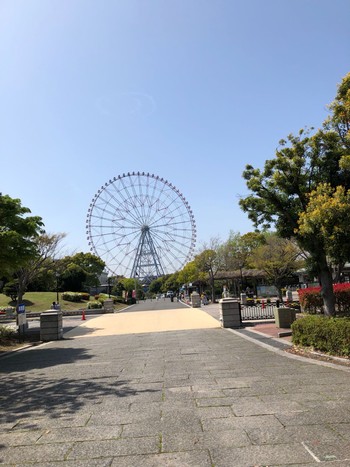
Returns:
(327,294)
(212,288)
(280,294)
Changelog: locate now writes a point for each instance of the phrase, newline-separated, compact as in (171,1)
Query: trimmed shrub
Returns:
(4,309)
(118,300)
(294,305)
(84,296)
(7,332)
(75,296)
(71,296)
(94,305)
(330,335)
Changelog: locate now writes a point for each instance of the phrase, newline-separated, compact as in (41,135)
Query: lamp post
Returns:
(57,295)
(109,287)
(136,275)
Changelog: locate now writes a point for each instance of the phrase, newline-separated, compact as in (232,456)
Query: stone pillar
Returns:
(284,317)
(195,300)
(108,306)
(51,326)
(230,313)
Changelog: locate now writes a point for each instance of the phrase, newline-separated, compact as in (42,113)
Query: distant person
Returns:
(53,306)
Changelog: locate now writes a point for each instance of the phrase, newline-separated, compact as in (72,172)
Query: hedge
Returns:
(75,296)
(330,335)
(95,305)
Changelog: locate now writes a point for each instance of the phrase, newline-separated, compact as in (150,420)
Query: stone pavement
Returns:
(206,397)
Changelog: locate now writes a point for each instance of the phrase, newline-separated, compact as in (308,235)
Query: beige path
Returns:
(144,321)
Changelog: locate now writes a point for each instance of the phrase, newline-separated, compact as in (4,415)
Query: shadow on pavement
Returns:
(30,398)
(26,392)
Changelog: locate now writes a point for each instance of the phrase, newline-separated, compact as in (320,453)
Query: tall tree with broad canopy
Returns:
(18,231)
(282,191)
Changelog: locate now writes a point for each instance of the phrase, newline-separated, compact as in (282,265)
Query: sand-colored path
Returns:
(143,322)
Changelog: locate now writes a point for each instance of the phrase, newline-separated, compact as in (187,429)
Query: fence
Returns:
(257,312)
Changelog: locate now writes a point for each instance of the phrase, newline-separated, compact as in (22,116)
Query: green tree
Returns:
(91,264)
(42,262)
(238,250)
(209,262)
(155,286)
(188,274)
(279,258)
(280,193)
(79,271)
(17,233)
(328,213)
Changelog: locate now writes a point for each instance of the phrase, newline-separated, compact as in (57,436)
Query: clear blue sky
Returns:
(191,90)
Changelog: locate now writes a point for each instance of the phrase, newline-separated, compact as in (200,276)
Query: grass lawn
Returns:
(41,301)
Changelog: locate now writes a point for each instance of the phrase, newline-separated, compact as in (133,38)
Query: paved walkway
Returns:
(186,397)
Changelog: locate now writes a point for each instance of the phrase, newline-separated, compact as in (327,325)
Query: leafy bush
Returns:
(6,332)
(330,335)
(118,299)
(84,296)
(295,305)
(11,290)
(71,296)
(11,309)
(311,300)
(94,305)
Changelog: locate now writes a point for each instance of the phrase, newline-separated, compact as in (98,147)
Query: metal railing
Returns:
(257,311)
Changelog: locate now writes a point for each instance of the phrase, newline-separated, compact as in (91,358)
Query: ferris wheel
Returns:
(141,226)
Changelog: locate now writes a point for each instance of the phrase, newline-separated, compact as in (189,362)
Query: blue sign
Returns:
(21,308)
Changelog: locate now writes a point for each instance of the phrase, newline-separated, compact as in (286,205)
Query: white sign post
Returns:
(21,319)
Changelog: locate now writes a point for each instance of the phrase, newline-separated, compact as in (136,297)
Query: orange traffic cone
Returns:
(83,316)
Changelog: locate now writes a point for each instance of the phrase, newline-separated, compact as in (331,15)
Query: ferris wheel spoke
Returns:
(131,199)
(169,215)
(123,207)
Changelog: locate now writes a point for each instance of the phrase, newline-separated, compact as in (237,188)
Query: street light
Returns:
(109,287)
(57,296)
(136,275)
